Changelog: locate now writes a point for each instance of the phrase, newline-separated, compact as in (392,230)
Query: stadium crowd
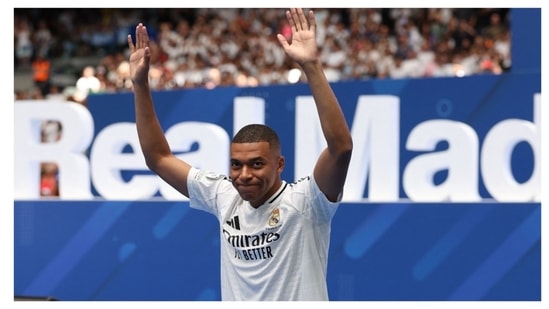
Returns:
(210,47)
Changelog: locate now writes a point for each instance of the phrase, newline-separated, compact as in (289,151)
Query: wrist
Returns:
(310,65)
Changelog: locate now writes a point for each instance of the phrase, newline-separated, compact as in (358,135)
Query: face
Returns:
(255,171)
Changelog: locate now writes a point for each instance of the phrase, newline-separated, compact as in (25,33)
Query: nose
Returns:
(245,173)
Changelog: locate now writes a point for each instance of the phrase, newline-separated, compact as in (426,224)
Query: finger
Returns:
(291,21)
(144,36)
(312,21)
(139,36)
(130,43)
(147,57)
(282,41)
(301,19)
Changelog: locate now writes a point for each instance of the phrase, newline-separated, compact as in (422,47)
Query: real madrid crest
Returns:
(275,217)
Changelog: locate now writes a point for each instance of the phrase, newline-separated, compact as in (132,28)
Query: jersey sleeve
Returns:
(311,201)
(322,207)
(204,187)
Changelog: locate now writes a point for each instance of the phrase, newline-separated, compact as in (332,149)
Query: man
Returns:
(274,235)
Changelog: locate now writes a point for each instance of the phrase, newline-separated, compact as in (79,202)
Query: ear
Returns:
(281,163)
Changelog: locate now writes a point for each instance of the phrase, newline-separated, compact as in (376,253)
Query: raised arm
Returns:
(157,153)
(331,168)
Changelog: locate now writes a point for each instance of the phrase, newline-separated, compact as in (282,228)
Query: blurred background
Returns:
(71,51)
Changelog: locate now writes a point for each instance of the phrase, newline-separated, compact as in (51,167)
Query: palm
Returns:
(303,46)
(138,68)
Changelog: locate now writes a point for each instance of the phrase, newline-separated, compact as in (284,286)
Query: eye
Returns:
(235,165)
(258,164)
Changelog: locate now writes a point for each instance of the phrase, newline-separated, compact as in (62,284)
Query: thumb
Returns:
(283,41)
(147,56)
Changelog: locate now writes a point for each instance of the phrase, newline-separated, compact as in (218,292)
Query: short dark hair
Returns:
(254,133)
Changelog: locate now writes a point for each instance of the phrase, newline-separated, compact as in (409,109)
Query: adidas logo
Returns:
(234,223)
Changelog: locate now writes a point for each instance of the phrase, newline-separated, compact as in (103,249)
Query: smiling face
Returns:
(255,170)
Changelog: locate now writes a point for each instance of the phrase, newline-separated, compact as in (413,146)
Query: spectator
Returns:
(41,73)
(42,39)
(49,184)
(23,42)
(51,131)
(88,82)
(496,28)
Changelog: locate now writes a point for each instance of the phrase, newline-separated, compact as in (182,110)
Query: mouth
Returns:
(247,189)
(246,186)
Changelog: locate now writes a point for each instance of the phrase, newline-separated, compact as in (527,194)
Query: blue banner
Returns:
(156,250)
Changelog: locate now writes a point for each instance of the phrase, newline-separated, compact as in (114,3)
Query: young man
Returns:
(274,234)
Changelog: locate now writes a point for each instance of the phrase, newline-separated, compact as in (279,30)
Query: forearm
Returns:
(332,120)
(151,136)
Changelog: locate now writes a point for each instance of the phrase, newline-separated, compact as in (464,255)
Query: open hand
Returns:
(140,55)
(303,47)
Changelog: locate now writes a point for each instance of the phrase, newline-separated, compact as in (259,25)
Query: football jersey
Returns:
(278,251)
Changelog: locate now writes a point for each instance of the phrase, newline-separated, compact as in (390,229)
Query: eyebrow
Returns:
(249,160)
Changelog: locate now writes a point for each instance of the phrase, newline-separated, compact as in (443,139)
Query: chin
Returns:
(247,197)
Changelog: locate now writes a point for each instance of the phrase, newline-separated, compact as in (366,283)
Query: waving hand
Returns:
(302,47)
(140,55)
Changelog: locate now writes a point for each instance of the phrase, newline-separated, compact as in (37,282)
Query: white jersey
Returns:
(278,251)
